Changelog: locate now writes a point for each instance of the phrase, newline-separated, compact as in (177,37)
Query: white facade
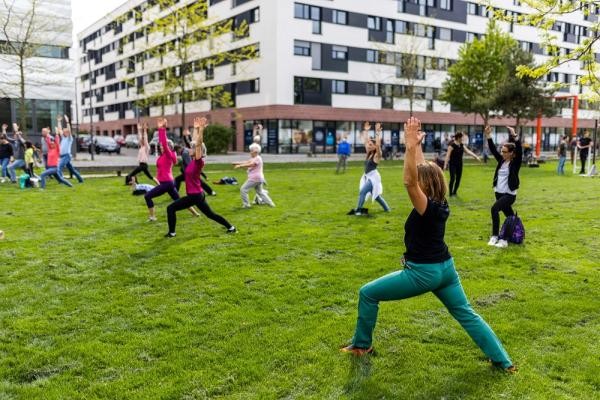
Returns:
(321,53)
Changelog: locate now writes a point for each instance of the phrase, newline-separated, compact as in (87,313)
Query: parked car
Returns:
(120,139)
(83,142)
(132,141)
(106,144)
(154,141)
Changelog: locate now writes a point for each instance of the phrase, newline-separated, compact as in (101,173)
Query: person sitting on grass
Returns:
(256,178)
(195,194)
(428,265)
(139,189)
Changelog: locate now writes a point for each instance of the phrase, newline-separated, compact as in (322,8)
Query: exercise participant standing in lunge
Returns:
(370,183)
(428,264)
(506,180)
(195,194)
(143,155)
(454,161)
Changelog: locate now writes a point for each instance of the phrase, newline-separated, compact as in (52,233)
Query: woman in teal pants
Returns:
(428,264)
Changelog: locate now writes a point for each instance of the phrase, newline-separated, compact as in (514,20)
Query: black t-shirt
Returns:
(424,234)
(585,141)
(456,157)
(6,150)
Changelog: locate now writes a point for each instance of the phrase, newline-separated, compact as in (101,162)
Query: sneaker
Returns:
(232,230)
(3,180)
(151,219)
(357,351)
(493,241)
(213,193)
(357,213)
(501,243)
(245,205)
(170,234)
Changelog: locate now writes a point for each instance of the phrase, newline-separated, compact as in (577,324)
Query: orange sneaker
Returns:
(357,351)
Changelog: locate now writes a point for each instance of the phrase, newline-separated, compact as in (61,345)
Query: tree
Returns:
(523,97)
(218,138)
(543,14)
(23,30)
(196,46)
(474,80)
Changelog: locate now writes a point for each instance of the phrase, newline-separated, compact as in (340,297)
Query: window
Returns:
(256,15)
(389,29)
(472,9)
(445,4)
(340,17)
(210,72)
(471,37)
(401,27)
(374,23)
(372,56)
(445,33)
(255,85)
(372,89)
(312,85)
(301,11)
(339,52)
(338,87)
(301,48)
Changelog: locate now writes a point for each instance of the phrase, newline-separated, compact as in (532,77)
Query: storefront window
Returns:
(285,136)
(302,136)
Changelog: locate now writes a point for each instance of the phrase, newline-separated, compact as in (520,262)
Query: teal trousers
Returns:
(415,279)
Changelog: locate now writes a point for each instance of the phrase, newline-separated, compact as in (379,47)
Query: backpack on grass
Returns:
(513,230)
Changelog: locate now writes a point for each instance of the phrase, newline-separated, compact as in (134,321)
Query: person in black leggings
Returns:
(454,161)
(195,193)
(506,180)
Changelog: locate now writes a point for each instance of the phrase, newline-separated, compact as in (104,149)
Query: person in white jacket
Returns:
(370,182)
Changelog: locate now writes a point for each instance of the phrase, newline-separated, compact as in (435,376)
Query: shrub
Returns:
(218,138)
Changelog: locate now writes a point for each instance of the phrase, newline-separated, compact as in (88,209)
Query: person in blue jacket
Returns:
(343,152)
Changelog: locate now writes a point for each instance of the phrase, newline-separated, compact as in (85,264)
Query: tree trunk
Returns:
(22,105)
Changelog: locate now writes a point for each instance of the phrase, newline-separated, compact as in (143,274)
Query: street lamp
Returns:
(89,52)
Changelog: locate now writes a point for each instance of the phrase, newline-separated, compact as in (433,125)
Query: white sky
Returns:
(86,12)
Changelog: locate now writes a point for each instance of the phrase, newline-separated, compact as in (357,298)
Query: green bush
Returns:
(218,138)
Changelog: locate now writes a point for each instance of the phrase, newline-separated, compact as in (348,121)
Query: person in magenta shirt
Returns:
(164,167)
(193,185)
(53,144)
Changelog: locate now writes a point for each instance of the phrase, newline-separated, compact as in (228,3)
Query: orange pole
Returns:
(538,136)
(575,112)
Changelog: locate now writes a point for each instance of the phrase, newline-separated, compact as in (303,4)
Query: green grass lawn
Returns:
(96,303)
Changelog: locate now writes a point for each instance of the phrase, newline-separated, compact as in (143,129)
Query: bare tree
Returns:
(24,31)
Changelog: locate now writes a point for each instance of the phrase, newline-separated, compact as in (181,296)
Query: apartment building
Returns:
(323,67)
(48,74)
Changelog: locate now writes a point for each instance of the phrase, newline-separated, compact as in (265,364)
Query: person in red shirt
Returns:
(53,144)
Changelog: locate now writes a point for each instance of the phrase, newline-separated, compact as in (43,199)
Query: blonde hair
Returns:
(431,181)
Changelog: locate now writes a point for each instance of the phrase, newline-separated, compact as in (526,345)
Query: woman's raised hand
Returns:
(412,132)
(378,128)
(488,131)
(161,123)
(511,131)
(200,122)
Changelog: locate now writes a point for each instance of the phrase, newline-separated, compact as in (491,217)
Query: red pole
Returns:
(538,136)
(575,112)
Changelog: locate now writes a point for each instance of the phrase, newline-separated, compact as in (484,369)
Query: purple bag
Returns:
(513,230)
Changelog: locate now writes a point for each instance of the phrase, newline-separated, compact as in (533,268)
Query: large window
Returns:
(445,4)
(374,23)
(372,56)
(338,87)
(340,17)
(301,48)
(339,52)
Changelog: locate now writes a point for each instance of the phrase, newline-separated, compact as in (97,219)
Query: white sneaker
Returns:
(502,243)
(493,241)
(2,180)
(151,219)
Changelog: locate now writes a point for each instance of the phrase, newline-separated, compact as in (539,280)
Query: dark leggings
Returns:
(189,201)
(455,175)
(503,203)
(164,187)
(143,167)
(583,155)
(181,178)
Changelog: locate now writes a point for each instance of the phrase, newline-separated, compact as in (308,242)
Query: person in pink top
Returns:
(164,167)
(256,179)
(193,185)
(143,154)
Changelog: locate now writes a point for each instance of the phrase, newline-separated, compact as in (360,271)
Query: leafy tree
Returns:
(196,48)
(543,14)
(523,97)
(473,81)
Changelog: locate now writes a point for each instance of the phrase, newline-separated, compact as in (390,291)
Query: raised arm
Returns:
(68,131)
(518,148)
(414,157)
(488,135)
(144,135)
(199,126)
(364,136)
(4,126)
(378,138)
(59,129)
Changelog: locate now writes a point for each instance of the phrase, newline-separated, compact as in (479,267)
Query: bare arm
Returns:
(378,135)
(364,136)
(199,125)
(447,160)
(68,131)
(414,156)
(469,152)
